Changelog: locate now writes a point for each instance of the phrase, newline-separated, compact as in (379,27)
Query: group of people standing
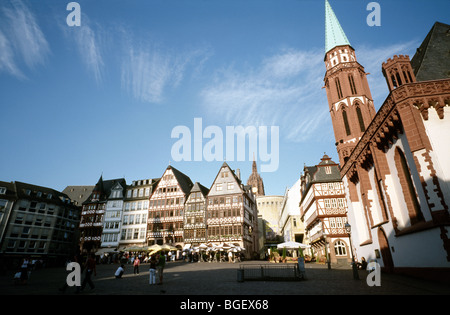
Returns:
(157,263)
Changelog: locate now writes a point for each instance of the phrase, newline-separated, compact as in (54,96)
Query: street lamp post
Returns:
(348,228)
(326,249)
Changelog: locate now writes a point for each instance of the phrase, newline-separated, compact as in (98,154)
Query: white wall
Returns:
(438,131)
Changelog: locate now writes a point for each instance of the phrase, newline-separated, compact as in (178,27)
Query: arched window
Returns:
(340,249)
(352,84)
(409,191)
(394,82)
(405,76)
(409,76)
(338,88)
(399,81)
(347,126)
(360,119)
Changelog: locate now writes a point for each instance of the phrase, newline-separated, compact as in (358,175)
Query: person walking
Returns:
(136,265)
(90,269)
(161,264)
(152,270)
(24,270)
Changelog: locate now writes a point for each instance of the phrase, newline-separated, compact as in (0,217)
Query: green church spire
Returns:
(334,34)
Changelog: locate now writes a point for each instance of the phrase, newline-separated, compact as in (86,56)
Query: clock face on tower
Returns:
(255,189)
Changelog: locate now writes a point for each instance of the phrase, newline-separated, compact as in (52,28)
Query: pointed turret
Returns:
(334,34)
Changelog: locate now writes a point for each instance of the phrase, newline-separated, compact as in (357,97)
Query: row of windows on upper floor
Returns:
(40,220)
(268,203)
(220,186)
(44,208)
(38,194)
(161,203)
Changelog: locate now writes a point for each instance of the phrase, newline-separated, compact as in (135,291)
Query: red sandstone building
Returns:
(394,162)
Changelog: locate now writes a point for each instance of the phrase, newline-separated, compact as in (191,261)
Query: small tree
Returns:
(300,252)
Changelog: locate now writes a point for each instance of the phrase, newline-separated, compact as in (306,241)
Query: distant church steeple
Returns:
(349,98)
(255,180)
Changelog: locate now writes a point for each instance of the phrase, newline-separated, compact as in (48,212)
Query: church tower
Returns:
(349,98)
(256,181)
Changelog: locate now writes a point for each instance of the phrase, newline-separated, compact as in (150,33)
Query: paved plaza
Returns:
(207,279)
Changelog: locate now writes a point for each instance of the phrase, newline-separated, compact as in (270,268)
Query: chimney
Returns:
(238,173)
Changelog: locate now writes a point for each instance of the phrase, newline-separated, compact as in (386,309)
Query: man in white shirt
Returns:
(119,272)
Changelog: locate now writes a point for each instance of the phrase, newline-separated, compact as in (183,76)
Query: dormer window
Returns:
(2,190)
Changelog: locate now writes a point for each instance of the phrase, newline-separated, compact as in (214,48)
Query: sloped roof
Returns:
(200,188)
(79,194)
(183,180)
(432,58)
(55,195)
(104,188)
(10,193)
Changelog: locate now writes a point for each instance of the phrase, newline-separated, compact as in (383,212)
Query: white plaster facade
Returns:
(290,225)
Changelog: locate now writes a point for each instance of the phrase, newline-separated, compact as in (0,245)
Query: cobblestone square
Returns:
(219,279)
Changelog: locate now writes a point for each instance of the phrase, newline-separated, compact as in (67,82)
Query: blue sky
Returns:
(104,97)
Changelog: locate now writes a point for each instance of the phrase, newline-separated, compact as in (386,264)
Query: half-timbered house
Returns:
(232,214)
(195,228)
(323,209)
(166,208)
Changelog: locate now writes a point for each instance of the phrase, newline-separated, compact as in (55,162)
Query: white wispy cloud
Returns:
(87,38)
(283,90)
(148,71)
(286,90)
(7,62)
(21,39)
